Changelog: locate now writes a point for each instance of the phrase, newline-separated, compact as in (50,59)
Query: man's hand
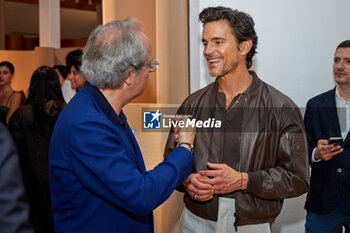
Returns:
(325,151)
(223,178)
(184,134)
(198,190)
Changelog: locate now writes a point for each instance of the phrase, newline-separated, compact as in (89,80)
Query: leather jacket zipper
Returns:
(291,156)
(240,160)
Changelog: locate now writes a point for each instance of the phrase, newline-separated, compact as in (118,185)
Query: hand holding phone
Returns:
(336,141)
(328,148)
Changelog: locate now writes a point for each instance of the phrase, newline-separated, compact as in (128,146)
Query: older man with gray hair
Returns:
(98,178)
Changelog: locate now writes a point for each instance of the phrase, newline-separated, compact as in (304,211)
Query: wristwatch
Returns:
(186,143)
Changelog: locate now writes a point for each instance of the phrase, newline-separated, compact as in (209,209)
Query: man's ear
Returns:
(245,46)
(130,78)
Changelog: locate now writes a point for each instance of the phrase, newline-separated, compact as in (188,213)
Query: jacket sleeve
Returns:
(290,175)
(108,166)
(14,208)
(171,143)
(169,147)
(17,131)
(310,131)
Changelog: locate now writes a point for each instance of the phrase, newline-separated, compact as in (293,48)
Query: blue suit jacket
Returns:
(98,179)
(330,180)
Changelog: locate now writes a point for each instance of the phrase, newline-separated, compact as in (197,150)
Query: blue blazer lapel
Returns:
(136,150)
(329,102)
(347,140)
(333,116)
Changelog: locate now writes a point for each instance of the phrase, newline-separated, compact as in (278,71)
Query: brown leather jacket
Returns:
(273,152)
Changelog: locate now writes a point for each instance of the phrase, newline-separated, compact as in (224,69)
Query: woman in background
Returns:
(10,99)
(66,88)
(73,61)
(31,127)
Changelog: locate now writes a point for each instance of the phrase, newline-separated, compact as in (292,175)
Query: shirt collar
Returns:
(254,84)
(252,87)
(339,97)
(103,103)
(337,93)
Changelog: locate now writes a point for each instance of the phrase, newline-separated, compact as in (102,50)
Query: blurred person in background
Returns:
(73,62)
(31,127)
(10,99)
(327,115)
(14,207)
(66,88)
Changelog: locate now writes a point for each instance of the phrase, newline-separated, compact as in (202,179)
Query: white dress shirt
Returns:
(67,90)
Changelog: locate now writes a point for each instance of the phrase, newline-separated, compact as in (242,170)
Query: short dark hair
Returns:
(73,58)
(344,44)
(62,69)
(241,23)
(8,65)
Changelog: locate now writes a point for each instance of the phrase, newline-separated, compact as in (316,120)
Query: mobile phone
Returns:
(335,140)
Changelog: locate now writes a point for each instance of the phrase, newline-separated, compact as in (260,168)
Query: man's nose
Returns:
(208,49)
(69,76)
(340,65)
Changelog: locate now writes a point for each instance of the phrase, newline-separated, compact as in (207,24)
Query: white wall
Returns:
(296,44)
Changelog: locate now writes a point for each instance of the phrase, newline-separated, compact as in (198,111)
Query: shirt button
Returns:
(339,170)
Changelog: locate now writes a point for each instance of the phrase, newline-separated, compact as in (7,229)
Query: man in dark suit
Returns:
(328,115)
(14,208)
